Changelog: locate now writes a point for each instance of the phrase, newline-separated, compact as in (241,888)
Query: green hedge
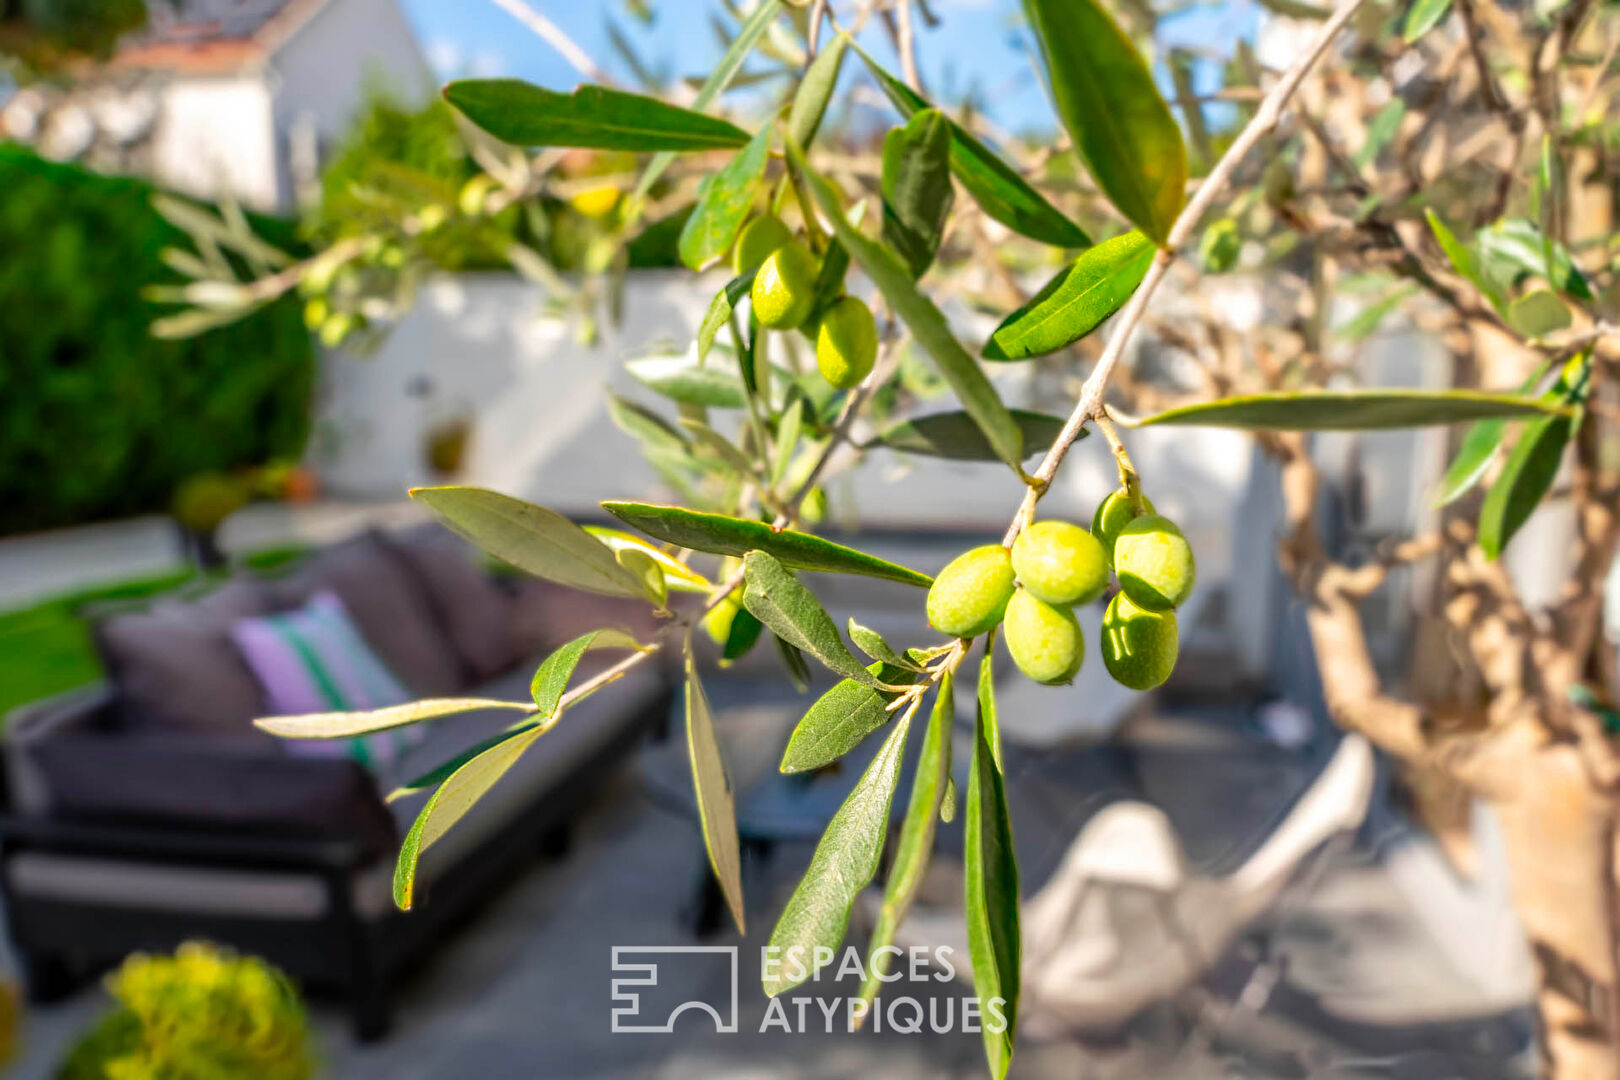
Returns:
(97,417)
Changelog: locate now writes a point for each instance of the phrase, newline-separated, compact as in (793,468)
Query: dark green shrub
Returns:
(97,417)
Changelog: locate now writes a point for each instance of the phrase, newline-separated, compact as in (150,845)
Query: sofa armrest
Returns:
(242,787)
(179,844)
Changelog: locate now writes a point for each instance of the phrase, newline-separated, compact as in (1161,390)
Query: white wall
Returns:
(216,135)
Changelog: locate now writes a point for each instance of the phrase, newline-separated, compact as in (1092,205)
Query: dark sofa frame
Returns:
(62,942)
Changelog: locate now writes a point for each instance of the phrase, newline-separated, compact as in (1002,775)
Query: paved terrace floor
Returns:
(1358,982)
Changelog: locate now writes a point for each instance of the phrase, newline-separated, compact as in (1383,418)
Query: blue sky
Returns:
(979,47)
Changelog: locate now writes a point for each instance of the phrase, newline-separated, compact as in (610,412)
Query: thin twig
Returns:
(1264,121)
(554,36)
(908,44)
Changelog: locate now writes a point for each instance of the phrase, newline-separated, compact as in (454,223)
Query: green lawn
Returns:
(46,649)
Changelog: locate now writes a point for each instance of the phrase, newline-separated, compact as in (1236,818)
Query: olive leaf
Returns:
(779,600)
(645,426)
(846,860)
(719,446)
(719,313)
(743,634)
(717,811)
(720,534)
(916,842)
(460,790)
(1537,313)
(443,771)
(1478,446)
(841,719)
(954,435)
(592,117)
(815,90)
(338,725)
(533,539)
(1352,410)
(682,377)
(917,192)
(990,882)
(1422,17)
(1532,465)
(871,643)
(724,199)
(1463,260)
(1000,192)
(677,575)
(1514,247)
(551,677)
(793,660)
(925,321)
(1112,109)
(1075,302)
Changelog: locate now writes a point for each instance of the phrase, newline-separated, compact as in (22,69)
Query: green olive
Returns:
(785,287)
(1154,563)
(717,623)
(1138,647)
(970,595)
(1113,514)
(758,239)
(1060,563)
(1044,639)
(846,343)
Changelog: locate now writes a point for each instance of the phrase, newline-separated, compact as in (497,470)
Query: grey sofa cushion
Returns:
(387,603)
(546,614)
(475,610)
(175,666)
(634,702)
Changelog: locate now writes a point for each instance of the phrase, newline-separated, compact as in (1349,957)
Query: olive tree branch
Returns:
(1264,121)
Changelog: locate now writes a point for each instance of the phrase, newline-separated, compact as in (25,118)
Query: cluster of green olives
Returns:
(1054,565)
(784,297)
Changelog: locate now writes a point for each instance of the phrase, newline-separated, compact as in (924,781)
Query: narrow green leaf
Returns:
(551,677)
(724,200)
(872,643)
(815,90)
(1000,192)
(685,379)
(339,725)
(917,192)
(592,117)
(1351,410)
(1526,477)
(990,887)
(1112,109)
(1463,260)
(793,660)
(648,572)
(954,435)
(916,842)
(717,810)
(719,446)
(927,325)
(719,78)
(645,426)
(846,860)
(533,539)
(719,313)
(841,719)
(744,633)
(722,535)
(1076,301)
(1369,318)
(779,600)
(1424,16)
(1538,313)
(1515,247)
(450,803)
(1380,130)
(1479,445)
(677,575)
(442,772)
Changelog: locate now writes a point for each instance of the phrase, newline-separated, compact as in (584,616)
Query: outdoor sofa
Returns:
(147,810)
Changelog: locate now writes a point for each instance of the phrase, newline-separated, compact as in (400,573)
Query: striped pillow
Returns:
(312,660)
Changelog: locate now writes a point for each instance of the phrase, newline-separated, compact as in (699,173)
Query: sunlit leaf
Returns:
(722,535)
(1113,111)
(1000,192)
(717,811)
(846,859)
(720,309)
(677,575)
(917,192)
(1422,17)
(337,725)
(1351,410)
(551,677)
(724,200)
(815,90)
(1463,260)
(840,719)
(990,883)
(779,600)
(593,117)
(1532,465)
(1075,302)
(533,539)
(873,644)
